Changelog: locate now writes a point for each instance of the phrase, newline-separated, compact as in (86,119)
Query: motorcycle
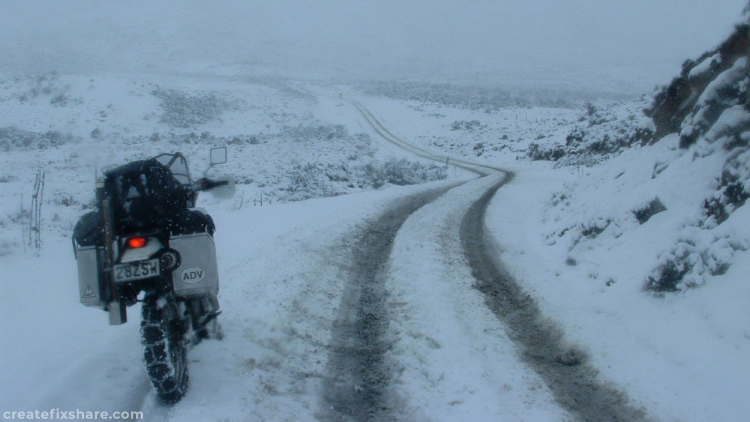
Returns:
(146,239)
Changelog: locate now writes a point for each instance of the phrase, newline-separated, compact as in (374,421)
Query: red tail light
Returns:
(137,242)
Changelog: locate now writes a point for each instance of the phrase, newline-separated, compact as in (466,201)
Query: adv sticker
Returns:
(192,275)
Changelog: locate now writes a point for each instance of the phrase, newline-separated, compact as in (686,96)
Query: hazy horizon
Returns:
(526,43)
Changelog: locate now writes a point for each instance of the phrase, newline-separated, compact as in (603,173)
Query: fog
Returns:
(585,44)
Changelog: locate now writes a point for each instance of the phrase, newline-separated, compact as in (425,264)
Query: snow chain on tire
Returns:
(164,348)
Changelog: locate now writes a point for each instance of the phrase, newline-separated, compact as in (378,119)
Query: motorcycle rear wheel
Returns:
(164,348)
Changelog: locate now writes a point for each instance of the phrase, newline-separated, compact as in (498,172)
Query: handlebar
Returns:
(207,184)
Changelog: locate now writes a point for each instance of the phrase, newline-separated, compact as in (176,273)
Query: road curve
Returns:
(564,369)
(481,169)
(359,331)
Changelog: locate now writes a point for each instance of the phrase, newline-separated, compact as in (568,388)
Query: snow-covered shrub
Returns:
(467,126)
(547,153)
(699,254)
(204,138)
(703,248)
(239,140)
(644,213)
(729,134)
(60,100)
(313,180)
(305,133)
(403,172)
(733,188)
(316,180)
(305,181)
(601,132)
(576,136)
(580,232)
(183,110)
(13,138)
(46,86)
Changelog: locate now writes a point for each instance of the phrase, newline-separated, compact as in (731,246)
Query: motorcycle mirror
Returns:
(224,191)
(218,156)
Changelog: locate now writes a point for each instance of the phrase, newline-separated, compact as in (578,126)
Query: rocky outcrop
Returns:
(682,97)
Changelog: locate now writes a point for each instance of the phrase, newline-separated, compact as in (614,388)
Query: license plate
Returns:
(136,270)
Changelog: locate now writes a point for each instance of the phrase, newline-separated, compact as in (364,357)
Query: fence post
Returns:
(35,216)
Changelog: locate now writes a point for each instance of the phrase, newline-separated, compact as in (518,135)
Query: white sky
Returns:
(627,44)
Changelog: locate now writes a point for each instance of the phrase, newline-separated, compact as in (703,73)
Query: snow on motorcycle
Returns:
(146,242)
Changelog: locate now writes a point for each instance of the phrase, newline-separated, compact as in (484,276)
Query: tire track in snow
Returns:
(563,368)
(384,133)
(358,385)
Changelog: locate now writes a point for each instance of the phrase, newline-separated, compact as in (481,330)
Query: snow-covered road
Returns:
(381,305)
(455,224)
